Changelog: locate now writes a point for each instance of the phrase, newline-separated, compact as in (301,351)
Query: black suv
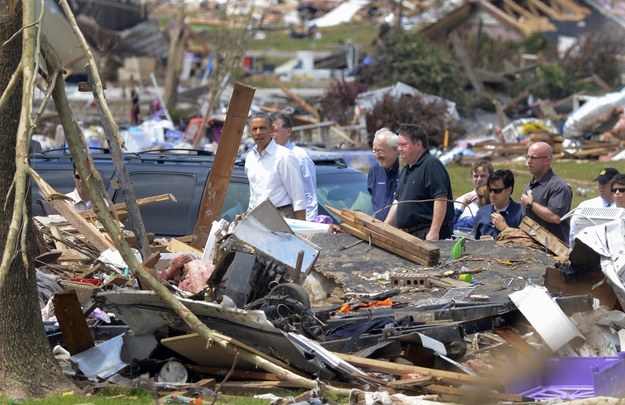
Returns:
(185,174)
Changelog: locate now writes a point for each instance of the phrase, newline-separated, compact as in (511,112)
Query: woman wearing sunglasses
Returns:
(617,186)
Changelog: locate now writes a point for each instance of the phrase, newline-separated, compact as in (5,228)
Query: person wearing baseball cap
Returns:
(605,199)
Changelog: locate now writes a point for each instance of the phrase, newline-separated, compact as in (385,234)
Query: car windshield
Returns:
(349,190)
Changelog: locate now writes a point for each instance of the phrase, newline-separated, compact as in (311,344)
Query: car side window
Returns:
(236,201)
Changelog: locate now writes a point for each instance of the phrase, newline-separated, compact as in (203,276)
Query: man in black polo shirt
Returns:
(424,185)
(547,198)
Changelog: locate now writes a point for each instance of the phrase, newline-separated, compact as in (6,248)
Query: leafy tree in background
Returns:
(410,58)
(390,112)
(340,100)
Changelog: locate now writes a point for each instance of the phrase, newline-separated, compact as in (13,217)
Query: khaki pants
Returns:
(287,211)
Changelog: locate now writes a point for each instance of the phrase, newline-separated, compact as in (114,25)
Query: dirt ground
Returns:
(362,269)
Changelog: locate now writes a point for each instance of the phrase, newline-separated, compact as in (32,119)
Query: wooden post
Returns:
(112,135)
(219,178)
(74,329)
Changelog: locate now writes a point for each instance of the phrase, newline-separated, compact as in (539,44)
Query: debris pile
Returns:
(445,332)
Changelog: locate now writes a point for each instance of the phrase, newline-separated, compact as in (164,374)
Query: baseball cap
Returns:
(606,175)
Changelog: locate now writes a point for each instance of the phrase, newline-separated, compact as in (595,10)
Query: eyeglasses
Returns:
(377,151)
(619,189)
(77,177)
(535,157)
(496,190)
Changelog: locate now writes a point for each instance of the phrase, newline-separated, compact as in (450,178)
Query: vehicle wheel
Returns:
(292,290)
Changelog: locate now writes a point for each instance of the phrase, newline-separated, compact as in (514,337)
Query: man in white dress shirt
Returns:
(79,198)
(273,172)
(282,129)
(605,199)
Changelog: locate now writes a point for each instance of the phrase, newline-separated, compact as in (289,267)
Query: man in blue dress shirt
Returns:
(502,212)
(382,179)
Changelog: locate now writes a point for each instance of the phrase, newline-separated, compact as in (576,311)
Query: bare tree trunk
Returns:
(28,368)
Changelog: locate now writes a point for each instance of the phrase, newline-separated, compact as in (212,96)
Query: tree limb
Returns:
(94,187)
(12,83)
(24,129)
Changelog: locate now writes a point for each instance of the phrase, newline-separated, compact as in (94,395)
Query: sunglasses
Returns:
(619,189)
(496,190)
(77,177)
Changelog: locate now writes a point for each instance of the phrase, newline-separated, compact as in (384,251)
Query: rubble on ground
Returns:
(343,312)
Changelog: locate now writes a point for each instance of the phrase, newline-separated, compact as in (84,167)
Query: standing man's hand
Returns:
(432,235)
(526,199)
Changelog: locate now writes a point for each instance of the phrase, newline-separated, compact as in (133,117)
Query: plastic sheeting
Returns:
(592,114)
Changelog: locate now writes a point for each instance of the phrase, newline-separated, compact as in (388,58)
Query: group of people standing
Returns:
(279,170)
(418,197)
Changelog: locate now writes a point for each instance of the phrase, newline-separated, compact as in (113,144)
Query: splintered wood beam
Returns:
(544,237)
(122,211)
(87,229)
(74,329)
(384,245)
(219,177)
(387,237)
(406,240)
(387,367)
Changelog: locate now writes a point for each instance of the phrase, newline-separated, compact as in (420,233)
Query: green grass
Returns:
(331,37)
(135,396)
(579,173)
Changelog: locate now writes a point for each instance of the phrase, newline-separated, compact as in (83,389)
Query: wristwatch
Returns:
(529,205)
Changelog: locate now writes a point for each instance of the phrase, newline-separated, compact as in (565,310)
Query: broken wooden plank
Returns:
(364,236)
(544,237)
(177,246)
(74,329)
(387,237)
(448,377)
(122,211)
(412,382)
(408,241)
(514,340)
(234,374)
(88,230)
(219,177)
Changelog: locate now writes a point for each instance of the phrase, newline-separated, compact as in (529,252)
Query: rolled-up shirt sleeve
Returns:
(289,171)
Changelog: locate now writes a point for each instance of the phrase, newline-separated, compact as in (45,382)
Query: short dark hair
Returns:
(285,118)
(506,177)
(260,114)
(415,132)
(618,179)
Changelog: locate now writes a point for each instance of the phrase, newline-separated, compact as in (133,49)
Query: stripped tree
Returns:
(28,368)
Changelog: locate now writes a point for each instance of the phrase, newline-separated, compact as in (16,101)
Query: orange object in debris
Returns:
(347,307)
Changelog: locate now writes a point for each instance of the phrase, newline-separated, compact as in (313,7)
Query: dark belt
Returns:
(284,207)
(413,228)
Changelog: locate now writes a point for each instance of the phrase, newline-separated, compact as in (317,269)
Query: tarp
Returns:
(341,14)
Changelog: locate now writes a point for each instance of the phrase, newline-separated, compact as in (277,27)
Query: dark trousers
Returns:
(421,233)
